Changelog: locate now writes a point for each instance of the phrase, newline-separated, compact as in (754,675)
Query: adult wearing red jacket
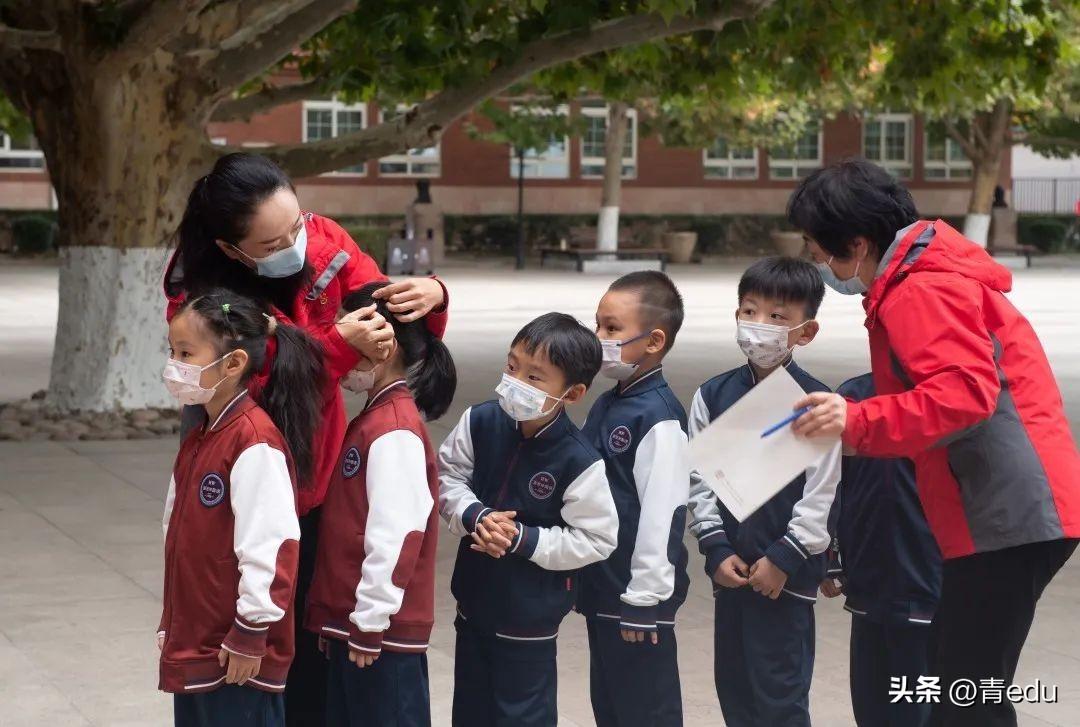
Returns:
(243,229)
(965,390)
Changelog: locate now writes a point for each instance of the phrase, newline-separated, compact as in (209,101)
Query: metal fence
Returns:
(1049,195)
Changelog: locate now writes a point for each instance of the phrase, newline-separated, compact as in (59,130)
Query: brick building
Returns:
(470,176)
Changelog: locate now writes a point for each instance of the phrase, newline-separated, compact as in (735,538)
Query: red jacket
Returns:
(965,390)
(231,545)
(374,583)
(339,269)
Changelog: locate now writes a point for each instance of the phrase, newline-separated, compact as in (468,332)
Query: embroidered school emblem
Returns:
(211,490)
(350,463)
(542,485)
(619,439)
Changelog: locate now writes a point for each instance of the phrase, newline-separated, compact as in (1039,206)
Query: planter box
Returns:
(790,244)
(680,246)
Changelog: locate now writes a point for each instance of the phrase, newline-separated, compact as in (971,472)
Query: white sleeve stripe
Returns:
(455,475)
(592,524)
(703,507)
(264,515)
(399,503)
(810,516)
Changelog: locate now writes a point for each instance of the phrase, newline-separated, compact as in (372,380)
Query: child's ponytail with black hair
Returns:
(432,376)
(292,393)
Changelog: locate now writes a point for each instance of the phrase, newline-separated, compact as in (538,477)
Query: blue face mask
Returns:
(282,263)
(852,286)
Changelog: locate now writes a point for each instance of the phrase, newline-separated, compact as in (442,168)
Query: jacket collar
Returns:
(555,428)
(749,377)
(648,381)
(240,404)
(393,390)
(896,261)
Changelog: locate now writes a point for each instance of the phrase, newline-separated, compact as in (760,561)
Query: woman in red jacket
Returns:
(965,390)
(243,229)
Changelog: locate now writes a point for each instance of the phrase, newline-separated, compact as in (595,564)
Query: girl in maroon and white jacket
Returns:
(231,531)
(372,597)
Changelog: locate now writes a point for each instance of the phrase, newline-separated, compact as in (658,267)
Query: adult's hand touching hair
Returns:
(412,299)
(368,332)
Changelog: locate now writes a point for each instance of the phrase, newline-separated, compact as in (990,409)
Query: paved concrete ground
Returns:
(80,538)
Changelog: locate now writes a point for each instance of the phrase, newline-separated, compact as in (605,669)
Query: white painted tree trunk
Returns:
(607,230)
(977,228)
(111,340)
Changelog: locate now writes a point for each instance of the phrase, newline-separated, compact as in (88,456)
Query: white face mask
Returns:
(612,365)
(764,344)
(183,382)
(852,286)
(358,382)
(521,401)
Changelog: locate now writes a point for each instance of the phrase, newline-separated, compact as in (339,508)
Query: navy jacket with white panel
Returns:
(884,549)
(641,431)
(791,528)
(556,483)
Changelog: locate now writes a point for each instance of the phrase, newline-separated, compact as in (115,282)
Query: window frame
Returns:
(892,166)
(798,165)
(592,161)
(730,164)
(948,165)
(408,158)
(535,161)
(6,152)
(334,106)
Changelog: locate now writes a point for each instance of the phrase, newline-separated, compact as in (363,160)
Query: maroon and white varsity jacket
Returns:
(374,583)
(231,545)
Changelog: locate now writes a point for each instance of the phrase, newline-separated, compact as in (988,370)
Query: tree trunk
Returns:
(986,165)
(122,152)
(520,263)
(607,237)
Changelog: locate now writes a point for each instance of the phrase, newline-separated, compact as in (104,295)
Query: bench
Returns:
(579,255)
(584,236)
(1026,250)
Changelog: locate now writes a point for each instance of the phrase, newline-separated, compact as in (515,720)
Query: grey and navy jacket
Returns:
(555,481)
(641,431)
(791,528)
(883,550)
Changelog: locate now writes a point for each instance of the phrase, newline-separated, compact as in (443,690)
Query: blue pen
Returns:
(776,427)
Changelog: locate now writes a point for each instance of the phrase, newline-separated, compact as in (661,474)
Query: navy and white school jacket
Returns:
(791,528)
(566,517)
(231,549)
(884,550)
(641,431)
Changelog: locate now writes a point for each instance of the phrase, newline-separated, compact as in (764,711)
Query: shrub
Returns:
(33,234)
(1045,232)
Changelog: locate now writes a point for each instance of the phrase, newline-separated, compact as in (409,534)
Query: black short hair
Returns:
(787,279)
(571,347)
(661,305)
(854,197)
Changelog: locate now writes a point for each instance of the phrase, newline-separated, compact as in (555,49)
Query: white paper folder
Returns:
(744,469)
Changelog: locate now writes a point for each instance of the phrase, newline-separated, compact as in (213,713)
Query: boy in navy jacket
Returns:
(529,497)
(630,599)
(767,567)
(888,565)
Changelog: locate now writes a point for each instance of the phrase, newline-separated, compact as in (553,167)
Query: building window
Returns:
(594,138)
(887,142)
(723,161)
(943,158)
(551,162)
(17,154)
(330,119)
(426,162)
(797,160)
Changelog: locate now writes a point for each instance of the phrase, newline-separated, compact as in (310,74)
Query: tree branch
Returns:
(158,23)
(970,150)
(999,125)
(230,68)
(422,126)
(268,97)
(227,26)
(14,39)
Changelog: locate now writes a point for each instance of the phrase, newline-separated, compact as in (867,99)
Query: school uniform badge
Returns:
(350,463)
(619,439)
(211,490)
(542,485)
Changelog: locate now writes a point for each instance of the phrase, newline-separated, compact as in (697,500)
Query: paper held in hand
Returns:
(744,469)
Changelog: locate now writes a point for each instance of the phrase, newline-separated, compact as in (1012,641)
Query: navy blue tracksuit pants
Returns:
(230,705)
(392,692)
(633,684)
(879,652)
(764,658)
(503,682)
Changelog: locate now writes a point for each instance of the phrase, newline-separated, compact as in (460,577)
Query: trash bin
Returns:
(424,254)
(400,256)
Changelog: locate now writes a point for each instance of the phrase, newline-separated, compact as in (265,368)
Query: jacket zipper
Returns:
(178,508)
(501,499)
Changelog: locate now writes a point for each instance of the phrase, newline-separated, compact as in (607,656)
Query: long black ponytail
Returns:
(292,393)
(432,376)
(220,207)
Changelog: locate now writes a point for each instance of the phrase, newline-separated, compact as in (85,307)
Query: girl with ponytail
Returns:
(231,527)
(373,595)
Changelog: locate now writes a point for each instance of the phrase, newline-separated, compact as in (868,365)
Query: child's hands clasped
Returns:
(766,578)
(495,533)
(636,636)
(361,660)
(732,573)
(832,587)
(239,668)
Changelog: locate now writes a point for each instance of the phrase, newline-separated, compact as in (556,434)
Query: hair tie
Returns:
(271,324)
